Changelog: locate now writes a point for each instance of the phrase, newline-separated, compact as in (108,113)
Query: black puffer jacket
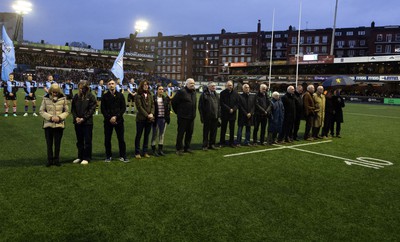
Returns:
(184,103)
(83,107)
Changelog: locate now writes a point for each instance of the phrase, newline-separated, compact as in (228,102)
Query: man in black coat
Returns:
(289,104)
(113,108)
(247,103)
(229,106)
(262,113)
(298,95)
(338,105)
(184,105)
(209,110)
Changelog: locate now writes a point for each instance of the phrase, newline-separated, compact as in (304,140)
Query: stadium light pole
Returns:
(334,29)
(21,8)
(140,26)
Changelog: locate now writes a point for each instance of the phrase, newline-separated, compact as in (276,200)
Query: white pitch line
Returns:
(280,147)
(371,115)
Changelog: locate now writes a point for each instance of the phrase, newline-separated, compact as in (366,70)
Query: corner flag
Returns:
(8,63)
(118,67)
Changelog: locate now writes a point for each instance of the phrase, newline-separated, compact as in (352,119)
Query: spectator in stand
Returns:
(276,118)
(209,110)
(289,103)
(309,111)
(184,105)
(82,108)
(10,94)
(262,113)
(113,108)
(54,110)
(162,110)
(30,97)
(229,99)
(246,112)
(132,89)
(298,95)
(100,90)
(319,100)
(144,118)
(338,105)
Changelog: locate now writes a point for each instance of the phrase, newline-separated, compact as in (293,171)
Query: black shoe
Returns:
(57,163)
(179,152)
(213,147)
(49,163)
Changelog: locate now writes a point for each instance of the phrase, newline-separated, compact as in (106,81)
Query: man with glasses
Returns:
(113,108)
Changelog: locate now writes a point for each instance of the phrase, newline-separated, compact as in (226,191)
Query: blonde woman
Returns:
(54,110)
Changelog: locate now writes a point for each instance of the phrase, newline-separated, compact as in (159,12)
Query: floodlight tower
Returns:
(21,8)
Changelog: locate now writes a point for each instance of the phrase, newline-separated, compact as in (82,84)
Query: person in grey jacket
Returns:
(54,110)
(82,108)
(209,110)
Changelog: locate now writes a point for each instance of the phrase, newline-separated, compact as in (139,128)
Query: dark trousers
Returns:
(53,136)
(185,128)
(296,127)
(328,120)
(246,136)
(309,124)
(224,125)
(287,129)
(338,127)
(259,120)
(210,132)
(140,127)
(84,134)
(120,130)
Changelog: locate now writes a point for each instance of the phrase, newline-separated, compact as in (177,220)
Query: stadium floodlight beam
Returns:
(21,8)
(141,26)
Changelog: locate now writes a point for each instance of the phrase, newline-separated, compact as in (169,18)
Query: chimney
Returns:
(259,26)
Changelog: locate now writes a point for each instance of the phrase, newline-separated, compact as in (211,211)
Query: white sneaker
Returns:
(34,114)
(15,115)
(84,162)
(25,114)
(97,112)
(76,161)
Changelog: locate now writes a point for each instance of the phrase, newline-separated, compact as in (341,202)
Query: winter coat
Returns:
(246,105)
(229,100)
(309,105)
(289,103)
(263,105)
(299,105)
(113,105)
(278,114)
(209,108)
(319,100)
(50,107)
(83,107)
(145,106)
(338,104)
(184,103)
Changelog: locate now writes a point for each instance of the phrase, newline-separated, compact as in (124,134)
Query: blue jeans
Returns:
(140,126)
(247,135)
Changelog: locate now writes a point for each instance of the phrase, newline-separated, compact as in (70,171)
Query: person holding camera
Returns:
(144,118)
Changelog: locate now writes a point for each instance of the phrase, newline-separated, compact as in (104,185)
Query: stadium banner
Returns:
(363,99)
(392,101)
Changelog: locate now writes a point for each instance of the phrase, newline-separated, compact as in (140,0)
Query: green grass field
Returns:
(304,192)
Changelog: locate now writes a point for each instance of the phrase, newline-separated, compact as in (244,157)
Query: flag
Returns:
(8,63)
(118,67)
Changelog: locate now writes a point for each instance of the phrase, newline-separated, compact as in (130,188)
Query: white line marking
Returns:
(371,115)
(280,147)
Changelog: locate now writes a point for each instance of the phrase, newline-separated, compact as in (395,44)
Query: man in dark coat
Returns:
(289,104)
(209,110)
(298,95)
(338,105)
(309,111)
(229,105)
(246,113)
(184,105)
(262,112)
